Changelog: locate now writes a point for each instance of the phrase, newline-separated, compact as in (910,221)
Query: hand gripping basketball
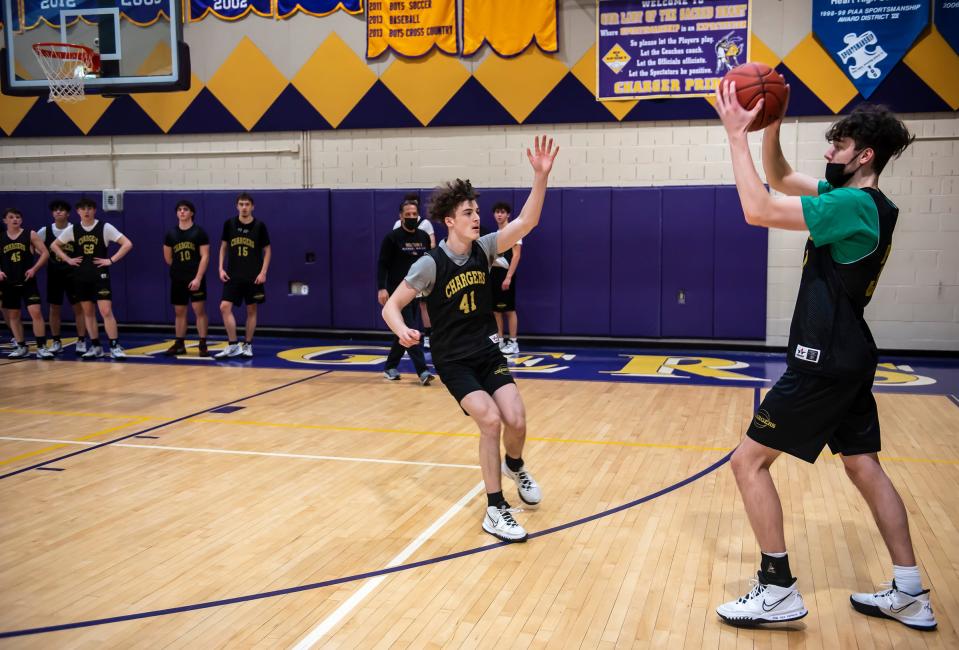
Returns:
(760,90)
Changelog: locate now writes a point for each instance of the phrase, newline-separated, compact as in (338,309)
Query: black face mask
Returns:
(836,174)
(410,224)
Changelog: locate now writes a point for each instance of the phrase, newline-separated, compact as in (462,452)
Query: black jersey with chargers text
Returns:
(185,245)
(245,243)
(460,306)
(15,256)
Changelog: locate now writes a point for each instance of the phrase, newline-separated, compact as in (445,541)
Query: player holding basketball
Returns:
(244,259)
(92,281)
(825,395)
(186,250)
(18,282)
(455,279)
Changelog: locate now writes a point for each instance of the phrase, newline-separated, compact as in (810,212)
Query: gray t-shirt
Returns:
(422,275)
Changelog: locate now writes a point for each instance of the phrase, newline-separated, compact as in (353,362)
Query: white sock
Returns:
(907,579)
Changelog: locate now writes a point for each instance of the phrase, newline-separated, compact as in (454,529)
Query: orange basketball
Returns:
(755,81)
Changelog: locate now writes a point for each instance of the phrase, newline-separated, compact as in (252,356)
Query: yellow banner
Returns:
(410,27)
(509,26)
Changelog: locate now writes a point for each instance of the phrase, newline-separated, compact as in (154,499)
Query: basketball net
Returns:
(65,66)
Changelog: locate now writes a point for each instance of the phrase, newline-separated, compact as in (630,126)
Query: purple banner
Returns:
(674,48)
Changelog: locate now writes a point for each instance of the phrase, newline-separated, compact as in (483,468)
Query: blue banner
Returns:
(682,48)
(946,16)
(319,8)
(33,13)
(229,9)
(867,38)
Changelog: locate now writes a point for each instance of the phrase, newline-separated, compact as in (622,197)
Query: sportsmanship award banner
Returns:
(318,8)
(229,9)
(410,27)
(867,38)
(680,48)
(509,26)
(946,16)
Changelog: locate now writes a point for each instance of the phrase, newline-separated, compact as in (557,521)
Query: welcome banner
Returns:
(677,49)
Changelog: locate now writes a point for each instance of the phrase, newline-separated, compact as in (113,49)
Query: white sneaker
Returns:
(502,345)
(426,342)
(526,485)
(56,347)
(80,347)
(45,354)
(511,347)
(911,611)
(19,352)
(117,352)
(499,523)
(93,352)
(232,350)
(764,604)
(247,350)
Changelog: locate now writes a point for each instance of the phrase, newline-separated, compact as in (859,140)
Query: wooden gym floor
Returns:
(259,527)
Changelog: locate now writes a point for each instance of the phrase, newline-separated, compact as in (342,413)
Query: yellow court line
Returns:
(449,434)
(95,434)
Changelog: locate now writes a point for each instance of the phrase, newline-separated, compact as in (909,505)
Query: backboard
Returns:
(140,43)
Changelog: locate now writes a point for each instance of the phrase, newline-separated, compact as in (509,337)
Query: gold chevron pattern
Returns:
(334,80)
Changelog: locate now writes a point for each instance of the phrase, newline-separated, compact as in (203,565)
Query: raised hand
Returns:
(735,118)
(543,155)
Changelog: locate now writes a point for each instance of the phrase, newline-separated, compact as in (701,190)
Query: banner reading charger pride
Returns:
(410,27)
(646,50)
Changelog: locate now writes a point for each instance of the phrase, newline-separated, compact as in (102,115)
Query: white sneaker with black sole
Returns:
(499,523)
(45,354)
(526,485)
(764,604)
(19,352)
(56,347)
(117,352)
(231,350)
(913,611)
(93,352)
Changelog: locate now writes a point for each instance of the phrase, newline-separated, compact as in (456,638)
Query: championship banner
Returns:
(318,8)
(509,26)
(229,9)
(31,14)
(946,16)
(647,50)
(410,27)
(867,38)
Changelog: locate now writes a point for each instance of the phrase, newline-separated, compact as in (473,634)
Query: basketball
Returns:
(755,81)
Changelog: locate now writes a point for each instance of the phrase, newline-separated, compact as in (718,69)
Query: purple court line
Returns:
(159,426)
(361,576)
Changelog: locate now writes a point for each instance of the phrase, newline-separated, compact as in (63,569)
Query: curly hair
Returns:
(502,205)
(876,127)
(446,197)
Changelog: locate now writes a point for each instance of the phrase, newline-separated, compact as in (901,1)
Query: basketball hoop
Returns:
(66,66)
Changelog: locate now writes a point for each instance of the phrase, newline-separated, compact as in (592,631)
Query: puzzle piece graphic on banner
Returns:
(863,59)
